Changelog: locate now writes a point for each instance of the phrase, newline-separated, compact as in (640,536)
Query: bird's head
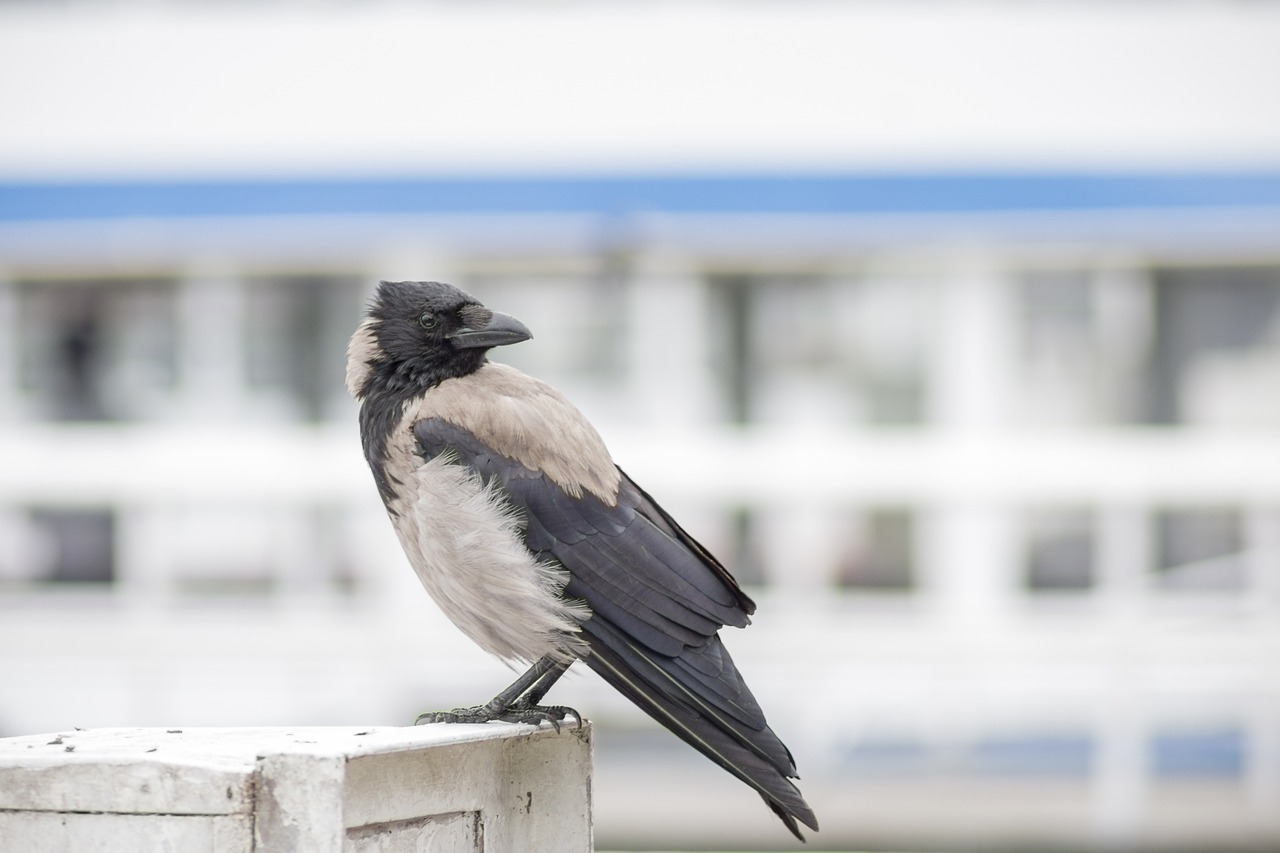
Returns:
(420,333)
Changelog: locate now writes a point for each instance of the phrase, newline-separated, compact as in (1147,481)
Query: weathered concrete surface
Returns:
(330,790)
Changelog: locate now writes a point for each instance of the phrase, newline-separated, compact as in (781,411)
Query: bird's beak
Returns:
(502,329)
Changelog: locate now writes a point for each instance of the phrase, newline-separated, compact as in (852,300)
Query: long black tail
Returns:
(701,697)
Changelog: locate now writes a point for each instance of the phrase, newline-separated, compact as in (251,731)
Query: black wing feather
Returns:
(658,599)
(719,583)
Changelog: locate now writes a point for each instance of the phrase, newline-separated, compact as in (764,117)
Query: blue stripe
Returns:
(939,193)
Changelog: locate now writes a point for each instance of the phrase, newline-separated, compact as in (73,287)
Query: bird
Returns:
(538,546)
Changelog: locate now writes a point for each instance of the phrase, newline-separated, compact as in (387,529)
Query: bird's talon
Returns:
(522,712)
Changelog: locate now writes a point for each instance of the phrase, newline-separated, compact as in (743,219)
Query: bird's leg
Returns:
(518,703)
(495,707)
(528,702)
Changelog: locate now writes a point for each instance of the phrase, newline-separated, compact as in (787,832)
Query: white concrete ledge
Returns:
(444,788)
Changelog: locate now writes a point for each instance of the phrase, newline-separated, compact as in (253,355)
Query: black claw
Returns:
(532,718)
(553,714)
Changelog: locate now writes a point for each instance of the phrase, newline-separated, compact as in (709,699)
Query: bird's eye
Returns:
(428,320)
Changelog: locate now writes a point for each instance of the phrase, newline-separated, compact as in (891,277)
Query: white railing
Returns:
(760,466)
(967,653)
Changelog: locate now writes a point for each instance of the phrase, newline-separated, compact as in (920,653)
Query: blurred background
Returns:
(953,327)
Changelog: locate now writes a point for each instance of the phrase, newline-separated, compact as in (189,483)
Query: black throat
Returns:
(388,392)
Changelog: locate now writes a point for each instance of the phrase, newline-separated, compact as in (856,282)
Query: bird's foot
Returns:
(520,712)
(524,712)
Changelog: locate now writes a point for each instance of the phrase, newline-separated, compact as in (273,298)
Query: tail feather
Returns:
(755,756)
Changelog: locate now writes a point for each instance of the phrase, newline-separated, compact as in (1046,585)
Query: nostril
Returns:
(475,316)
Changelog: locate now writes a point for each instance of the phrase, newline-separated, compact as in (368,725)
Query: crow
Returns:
(541,549)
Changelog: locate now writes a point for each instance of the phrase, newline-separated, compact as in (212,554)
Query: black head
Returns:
(420,333)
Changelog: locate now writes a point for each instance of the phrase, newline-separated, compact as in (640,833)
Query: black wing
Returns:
(658,599)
